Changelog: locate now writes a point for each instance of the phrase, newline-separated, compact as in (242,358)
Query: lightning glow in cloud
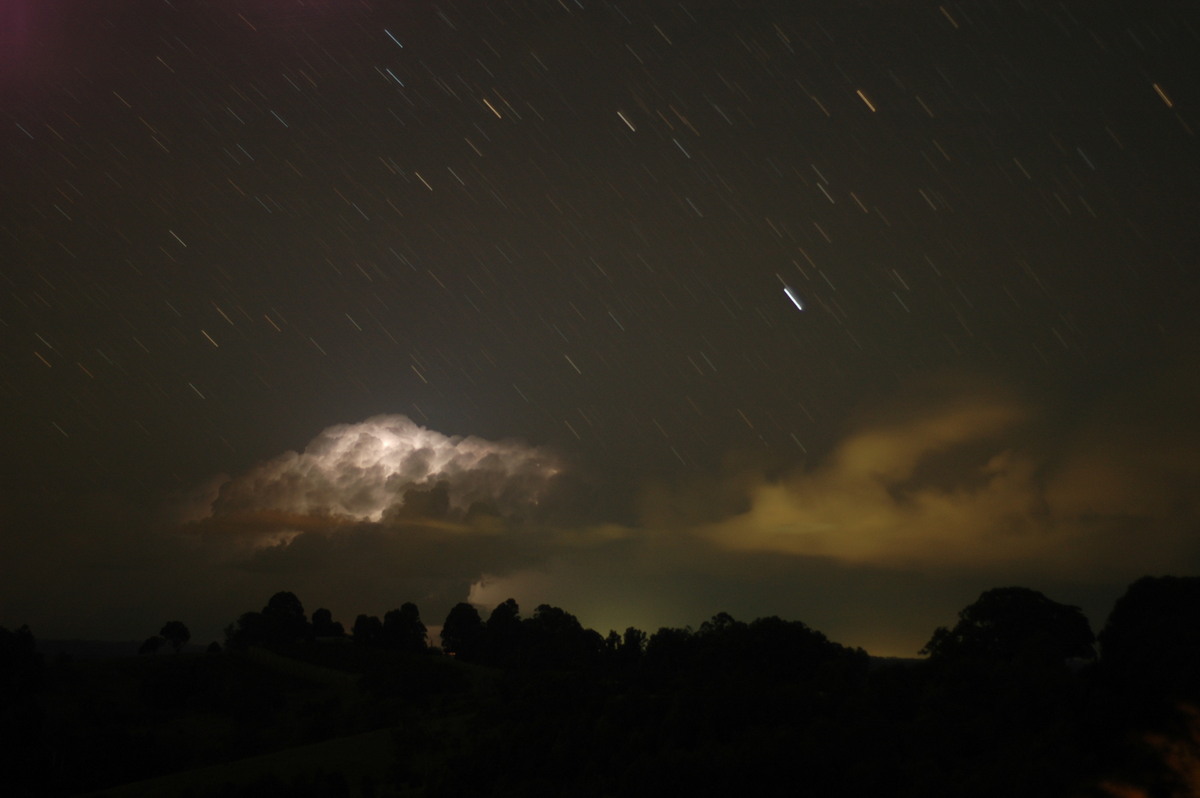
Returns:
(362,471)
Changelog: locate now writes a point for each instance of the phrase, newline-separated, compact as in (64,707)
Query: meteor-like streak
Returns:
(787,289)
(362,471)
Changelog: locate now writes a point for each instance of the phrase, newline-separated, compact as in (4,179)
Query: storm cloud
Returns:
(935,496)
(364,471)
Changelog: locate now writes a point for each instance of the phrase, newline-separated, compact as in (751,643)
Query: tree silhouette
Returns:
(792,647)
(323,624)
(21,712)
(632,647)
(250,629)
(503,634)
(507,615)
(462,632)
(727,707)
(403,630)
(175,633)
(281,623)
(151,645)
(554,638)
(285,619)
(367,629)
(19,657)
(670,649)
(1014,623)
(997,711)
(1152,636)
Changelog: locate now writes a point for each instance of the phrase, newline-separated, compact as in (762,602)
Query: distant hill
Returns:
(51,650)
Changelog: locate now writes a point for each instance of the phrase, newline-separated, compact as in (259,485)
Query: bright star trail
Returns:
(792,296)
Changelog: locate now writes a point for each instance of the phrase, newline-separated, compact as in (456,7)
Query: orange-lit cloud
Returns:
(965,480)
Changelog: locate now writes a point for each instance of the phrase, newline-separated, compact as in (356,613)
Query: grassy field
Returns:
(229,722)
(364,759)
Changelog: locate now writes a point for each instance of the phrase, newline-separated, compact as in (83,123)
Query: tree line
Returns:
(1153,631)
(1017,695)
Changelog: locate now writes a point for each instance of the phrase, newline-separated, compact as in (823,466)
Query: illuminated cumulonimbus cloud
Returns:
(363,471)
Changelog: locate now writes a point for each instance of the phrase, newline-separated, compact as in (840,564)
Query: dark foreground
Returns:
(1010,701)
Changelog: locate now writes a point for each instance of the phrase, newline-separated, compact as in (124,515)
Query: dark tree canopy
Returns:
(553,621)
(1153,633)
(151,645)
(507,615)
(285,619)
(669,648)
(175,633)
(248,630)
(1014,623)
(632,645)
(793,646)
(767,648)
(367,629)
(21,715)
(403,630)
(554,637)
(284,607)
(324,625)
(502,641)
(281,623)
(18,650)
(462,632)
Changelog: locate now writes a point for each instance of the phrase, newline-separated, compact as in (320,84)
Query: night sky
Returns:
(270,270)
